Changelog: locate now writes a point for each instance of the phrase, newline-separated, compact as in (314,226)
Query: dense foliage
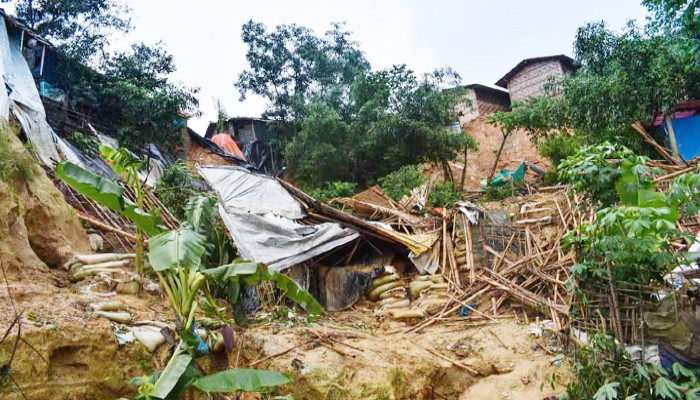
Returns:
(623,77)
(400,183)
(605,371)
(137,99)
(80,28)
(444,194)
(345,122)
(333,190)
(627,243)
(596,169)
(175,187)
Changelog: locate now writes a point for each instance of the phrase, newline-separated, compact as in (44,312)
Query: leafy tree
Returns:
(345,122)
(333,190)
(290,65)
(623,78)
(175,187)
(144,66)
(392,118)
(445,194)
(80,28)
(676,16)
(469,144)
(138,98)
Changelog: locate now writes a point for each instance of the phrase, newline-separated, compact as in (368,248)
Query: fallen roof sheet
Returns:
(262,218)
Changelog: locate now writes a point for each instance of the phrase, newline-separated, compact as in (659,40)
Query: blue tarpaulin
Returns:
(687,132)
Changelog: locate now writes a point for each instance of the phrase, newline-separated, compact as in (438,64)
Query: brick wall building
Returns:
(528,78)
(483,100)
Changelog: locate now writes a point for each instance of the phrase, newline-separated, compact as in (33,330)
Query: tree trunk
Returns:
(464,168)
(498,156)
(617,328)
(447,171)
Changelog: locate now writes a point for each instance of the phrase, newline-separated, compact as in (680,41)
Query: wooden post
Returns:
(498,156)
(671,136)
(464,169)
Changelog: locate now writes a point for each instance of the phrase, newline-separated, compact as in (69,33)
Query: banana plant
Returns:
(108,194)
(176,258)
(127,165)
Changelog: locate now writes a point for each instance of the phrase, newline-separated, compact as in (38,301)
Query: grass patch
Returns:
(15,162)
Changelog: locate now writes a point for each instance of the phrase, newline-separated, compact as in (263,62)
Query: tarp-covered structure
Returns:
(22,98)
(264,220)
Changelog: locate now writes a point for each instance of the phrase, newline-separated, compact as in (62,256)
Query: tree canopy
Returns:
(622,78)
(80,28)
(345,121)
(138,100)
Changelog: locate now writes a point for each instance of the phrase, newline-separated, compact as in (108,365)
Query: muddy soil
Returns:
(377,360)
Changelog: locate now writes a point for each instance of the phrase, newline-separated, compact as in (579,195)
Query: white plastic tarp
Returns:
(24,99)
(247,192)
(260,215)
(4,48)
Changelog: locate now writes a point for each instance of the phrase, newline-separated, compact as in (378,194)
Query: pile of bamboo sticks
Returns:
(513,270)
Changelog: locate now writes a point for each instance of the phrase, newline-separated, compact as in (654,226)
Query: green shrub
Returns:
(399,183)
(14,162)
(595,169)
(605,371)
(87,144)
(175,188)
(559,147)
(445,194)
(509,189)
(333,190)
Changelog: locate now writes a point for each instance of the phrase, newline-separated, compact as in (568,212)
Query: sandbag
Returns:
(405,303)
(149,336)
(121,317)
(100,258)
(416,287)
(399,292)
(108,306)
(374,294)
(407,314)
(381,281)
(389,300)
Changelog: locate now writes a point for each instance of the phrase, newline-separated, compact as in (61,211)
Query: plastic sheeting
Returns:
(24,99)
(94,164)
(244,191)
(4,48)
(687,138)
(260,215)
(157,164)
(227,144)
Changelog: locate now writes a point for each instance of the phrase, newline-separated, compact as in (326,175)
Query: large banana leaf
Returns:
(254,273)
(178,248)
(199,210)
(296,293)
(172,375)
(240,380)
(107,193)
